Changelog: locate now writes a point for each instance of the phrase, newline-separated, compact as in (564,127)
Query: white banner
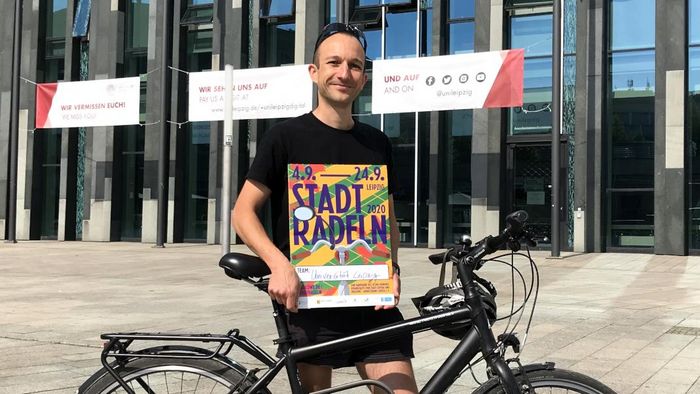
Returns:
(438,83)
(259,93)
(103,102)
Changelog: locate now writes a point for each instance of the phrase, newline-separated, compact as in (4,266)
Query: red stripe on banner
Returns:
(507,89)
(45,92)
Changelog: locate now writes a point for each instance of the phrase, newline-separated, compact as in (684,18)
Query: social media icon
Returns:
(480,77)
(447,79)
(463,78)
(430,81)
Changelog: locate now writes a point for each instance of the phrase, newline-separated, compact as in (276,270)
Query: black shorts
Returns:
(312,326)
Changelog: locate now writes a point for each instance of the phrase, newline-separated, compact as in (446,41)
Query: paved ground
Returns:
(631,320)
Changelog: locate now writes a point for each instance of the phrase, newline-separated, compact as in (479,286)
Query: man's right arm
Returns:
(284,282)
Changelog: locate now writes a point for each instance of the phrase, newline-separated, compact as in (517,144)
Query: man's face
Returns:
(339,73)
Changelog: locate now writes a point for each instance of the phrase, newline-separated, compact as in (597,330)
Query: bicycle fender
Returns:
(166,350)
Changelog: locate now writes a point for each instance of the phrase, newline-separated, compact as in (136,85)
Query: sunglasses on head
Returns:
(333,28)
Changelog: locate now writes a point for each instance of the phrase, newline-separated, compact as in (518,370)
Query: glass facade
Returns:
(458,131)
(394,29)
(630,124)
(129,140)
(192,189)
(693,151)
(534,34)
(47,142)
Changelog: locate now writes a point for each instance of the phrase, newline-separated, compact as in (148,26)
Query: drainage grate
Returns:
(680,330)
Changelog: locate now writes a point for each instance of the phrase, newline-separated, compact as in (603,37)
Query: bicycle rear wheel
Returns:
(547,381)
(170,376)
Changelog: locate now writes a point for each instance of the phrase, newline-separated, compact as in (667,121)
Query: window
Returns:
(630,127)
(694,123)
(392,32)
(534,34)
(458,128)
(82,18)
(276,8)
(56,18)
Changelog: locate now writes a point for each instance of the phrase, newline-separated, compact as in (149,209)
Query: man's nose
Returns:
(344,70)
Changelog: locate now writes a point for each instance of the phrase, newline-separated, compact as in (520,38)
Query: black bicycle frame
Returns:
(478,338)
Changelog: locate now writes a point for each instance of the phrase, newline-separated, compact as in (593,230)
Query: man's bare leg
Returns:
(396,374)
(314,377)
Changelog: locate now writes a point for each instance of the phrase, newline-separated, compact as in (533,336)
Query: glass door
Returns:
(529,187)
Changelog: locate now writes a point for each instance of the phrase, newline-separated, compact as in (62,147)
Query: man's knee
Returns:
(397,374)
(314,377)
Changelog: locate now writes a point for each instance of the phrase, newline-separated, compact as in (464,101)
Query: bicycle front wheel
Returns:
(170,376)
(557,381)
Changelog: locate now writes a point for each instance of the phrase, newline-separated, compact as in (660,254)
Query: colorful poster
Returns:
(339,231)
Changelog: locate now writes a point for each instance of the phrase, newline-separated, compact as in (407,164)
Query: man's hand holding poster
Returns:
(339,234)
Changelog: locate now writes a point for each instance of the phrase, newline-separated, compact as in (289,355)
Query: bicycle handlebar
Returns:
(514,231)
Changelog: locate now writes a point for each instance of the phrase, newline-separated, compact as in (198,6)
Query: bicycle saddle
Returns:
(243,266)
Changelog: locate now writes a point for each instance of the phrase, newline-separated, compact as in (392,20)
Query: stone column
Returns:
(487,138)
(591,60)
(670,211)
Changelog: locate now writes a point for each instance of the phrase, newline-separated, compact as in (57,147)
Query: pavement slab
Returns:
(630,320)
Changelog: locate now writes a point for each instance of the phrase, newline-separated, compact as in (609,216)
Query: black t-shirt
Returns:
(307,140)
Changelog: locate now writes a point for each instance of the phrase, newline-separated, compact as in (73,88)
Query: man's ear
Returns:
(313,72)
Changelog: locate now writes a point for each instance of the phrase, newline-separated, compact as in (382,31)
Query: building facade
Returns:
(629,134)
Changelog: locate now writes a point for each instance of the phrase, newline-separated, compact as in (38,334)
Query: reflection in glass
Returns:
(279,44)
(137,24)
(400,35)
(693,25)
(533,33)
(694,148)
(458,187)
(196,181)
(569,27)
(47,174)
(632,218)
(56,18)
(461,38)
(400,128)
(630,131)
(276,7)
(632,24)
(461,9)
(130,148)
(531,180)
(535,115)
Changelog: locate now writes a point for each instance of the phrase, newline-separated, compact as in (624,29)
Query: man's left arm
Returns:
(395,236)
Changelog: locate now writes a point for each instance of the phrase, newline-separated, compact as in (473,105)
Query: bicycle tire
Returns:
(186,375)
(551,381)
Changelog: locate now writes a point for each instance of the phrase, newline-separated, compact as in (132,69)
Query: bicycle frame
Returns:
(479,338)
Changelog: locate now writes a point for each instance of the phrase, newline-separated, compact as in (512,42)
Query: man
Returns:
(327,135)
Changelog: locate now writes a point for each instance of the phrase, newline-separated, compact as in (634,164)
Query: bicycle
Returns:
(196,369)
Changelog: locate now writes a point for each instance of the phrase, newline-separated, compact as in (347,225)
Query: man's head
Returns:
(339,28)
(339,63)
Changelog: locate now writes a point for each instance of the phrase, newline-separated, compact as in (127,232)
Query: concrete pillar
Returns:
(436,172)
(488,135)
(670,212)
(591,58)
(309,18)
(105,52)
(229,46)
(153,129)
